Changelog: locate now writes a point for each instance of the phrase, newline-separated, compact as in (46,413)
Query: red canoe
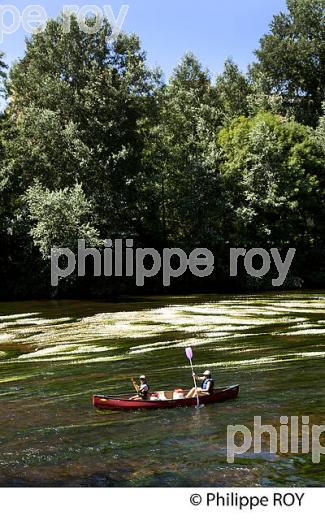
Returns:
(123,402)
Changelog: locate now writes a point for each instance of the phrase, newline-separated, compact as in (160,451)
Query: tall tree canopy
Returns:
(184,150)
(233,90)
(76,101)
(292,59)
(273,173)
(94,145)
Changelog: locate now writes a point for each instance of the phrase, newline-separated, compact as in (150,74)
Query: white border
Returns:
(165,504)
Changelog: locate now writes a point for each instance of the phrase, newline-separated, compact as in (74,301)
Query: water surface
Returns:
(55,355)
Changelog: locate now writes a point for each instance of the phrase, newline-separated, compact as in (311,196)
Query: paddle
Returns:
(136,387)
(189,355)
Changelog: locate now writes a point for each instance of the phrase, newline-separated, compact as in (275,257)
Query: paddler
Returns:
(207,385)
(142,389)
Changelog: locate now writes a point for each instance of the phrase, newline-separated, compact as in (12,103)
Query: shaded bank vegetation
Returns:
(95,145)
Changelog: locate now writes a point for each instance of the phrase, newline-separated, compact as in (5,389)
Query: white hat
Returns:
(207,373)
(142,377)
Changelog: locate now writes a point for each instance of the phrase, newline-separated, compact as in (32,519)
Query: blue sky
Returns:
(212,29)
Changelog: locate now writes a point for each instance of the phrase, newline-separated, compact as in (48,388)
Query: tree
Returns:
(233,90)
(272,171)
(320,131)
(60,218)
(42,147)
(3,72)
(320,142)
(292,59)
(3,179)
(75,105)
(182,153)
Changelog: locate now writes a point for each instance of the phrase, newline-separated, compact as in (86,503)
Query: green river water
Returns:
(55,355)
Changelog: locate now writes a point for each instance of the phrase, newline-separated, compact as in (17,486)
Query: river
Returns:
(55,354)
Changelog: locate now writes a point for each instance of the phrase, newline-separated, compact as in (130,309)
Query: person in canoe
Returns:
(142,389)
(207,385)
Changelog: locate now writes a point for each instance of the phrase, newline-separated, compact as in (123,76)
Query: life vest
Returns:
(144,392)
(205,385)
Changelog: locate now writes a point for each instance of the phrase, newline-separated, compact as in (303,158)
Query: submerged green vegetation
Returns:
(55,355)
(95,145)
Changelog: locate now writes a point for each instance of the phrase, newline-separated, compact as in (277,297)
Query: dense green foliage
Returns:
(292,59)
(95,145)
